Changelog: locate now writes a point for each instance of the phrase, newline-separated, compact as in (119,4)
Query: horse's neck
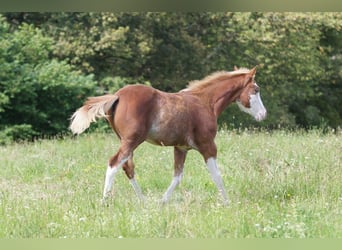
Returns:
(218,96)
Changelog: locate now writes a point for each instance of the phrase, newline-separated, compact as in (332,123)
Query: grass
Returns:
(280,184)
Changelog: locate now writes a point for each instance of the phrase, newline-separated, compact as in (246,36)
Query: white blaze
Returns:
(257,109)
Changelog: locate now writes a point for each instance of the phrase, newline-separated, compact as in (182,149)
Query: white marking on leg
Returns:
(216,176)
(110,174)
(137,189)
(175,181)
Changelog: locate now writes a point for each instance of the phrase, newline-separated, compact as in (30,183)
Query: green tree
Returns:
(296,70)
(38,94)
(298,54)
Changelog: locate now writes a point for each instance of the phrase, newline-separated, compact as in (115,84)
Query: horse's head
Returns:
(249,100)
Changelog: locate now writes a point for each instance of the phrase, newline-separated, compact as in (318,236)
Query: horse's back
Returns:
(162,118)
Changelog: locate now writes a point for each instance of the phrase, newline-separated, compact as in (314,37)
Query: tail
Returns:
(94,107)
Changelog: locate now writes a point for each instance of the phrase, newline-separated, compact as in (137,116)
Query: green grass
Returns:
(280,184)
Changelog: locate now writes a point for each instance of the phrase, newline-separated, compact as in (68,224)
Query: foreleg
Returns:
(216,176)
(179,159)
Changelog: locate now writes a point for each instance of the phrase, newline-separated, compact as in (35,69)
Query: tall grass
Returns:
(280,184)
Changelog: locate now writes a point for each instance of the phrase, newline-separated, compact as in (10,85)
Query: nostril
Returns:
(261,115)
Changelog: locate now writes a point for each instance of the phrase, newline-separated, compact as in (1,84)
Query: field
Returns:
(280,184)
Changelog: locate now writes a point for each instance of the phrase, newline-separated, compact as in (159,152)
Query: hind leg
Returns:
(111,172)
(115,163)
(128,167)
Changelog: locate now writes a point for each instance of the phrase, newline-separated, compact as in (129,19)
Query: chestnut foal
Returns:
(185,120)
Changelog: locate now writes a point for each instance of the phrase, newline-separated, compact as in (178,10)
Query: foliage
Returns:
(292,59)
(38,93)
(20,132)
(298,55)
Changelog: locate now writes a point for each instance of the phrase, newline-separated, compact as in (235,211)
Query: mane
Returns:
(214,77)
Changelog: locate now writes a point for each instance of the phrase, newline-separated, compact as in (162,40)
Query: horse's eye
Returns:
(257,89)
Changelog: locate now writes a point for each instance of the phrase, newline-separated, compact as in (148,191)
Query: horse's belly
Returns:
(163,137)
(169,134)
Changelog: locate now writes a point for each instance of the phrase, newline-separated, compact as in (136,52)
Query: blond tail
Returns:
(94,107)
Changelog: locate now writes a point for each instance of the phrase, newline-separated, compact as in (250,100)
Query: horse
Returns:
(185,120)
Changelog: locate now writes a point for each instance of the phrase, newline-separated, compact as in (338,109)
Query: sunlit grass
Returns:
(280,184)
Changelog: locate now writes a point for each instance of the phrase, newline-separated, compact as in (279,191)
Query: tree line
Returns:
(50,62)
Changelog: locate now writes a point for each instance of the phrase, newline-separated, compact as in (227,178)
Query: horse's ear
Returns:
(235,68)
(253,71)
(250,75)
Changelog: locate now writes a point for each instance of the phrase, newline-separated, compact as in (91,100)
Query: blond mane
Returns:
(214,77)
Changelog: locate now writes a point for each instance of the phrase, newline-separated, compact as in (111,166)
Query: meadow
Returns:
(280,184)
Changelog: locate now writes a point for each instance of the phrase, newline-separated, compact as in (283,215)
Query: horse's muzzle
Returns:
(261,115)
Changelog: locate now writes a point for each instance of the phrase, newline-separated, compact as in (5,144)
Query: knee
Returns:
(129,172)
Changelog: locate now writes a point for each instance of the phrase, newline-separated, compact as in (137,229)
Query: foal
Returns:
(185,120)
